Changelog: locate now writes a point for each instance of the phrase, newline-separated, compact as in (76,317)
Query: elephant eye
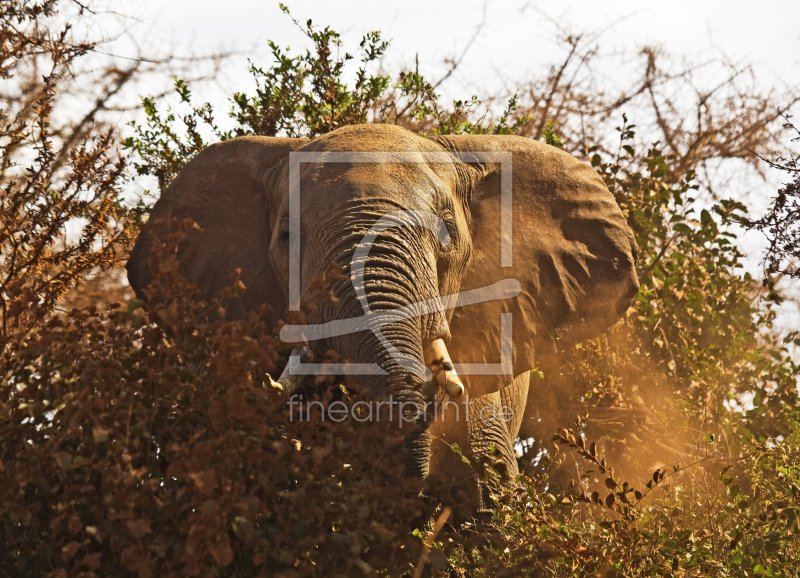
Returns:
(452,231)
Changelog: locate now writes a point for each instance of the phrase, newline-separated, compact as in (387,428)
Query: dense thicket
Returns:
(150,443)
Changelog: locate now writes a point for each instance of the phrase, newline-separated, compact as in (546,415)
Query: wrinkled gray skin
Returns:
(573,254)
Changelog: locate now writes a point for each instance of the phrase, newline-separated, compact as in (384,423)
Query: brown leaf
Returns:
(91,560)
(237,404)
(205,481)
(217,415)
(380,529)
(99,435)
(74,525)
(169,314)
(221,551)
(138,528)
(64,459)
(68,551)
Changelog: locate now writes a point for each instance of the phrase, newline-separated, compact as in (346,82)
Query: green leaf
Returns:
(455,447)
(550,137)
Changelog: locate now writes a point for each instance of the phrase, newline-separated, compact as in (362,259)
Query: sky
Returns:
(517,37)
(501,43)
(512,41)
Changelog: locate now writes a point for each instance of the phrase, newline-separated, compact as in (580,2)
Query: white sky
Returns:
(516,42)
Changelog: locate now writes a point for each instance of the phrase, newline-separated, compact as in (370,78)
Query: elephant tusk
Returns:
(445,376)
(288,382)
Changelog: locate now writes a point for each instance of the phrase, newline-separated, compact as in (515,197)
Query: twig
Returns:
(661,253)
(437,527)
(455,63)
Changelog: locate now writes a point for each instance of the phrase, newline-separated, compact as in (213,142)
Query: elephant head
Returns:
(498,246)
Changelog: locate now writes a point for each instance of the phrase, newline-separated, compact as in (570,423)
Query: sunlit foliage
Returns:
(150,443)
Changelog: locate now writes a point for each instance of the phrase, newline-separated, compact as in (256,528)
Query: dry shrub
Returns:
(49,183)
(150,444)
(694,348)
(664,526)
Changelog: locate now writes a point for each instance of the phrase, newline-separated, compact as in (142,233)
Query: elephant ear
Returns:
(573,255)
(223,190)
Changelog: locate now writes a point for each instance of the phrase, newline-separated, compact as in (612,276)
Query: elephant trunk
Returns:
(398,272)
(402,385)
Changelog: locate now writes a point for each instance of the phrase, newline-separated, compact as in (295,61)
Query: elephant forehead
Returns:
(371,137)
(412,184)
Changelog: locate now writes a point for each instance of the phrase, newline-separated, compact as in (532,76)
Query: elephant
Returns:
(490,247)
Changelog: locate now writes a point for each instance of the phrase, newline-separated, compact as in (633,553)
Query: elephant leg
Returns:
(477,425)
(515,398)
(493,426)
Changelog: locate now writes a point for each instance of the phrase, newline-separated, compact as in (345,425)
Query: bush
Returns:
(674,525)
(47,184)
(151,443)
(694,348)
